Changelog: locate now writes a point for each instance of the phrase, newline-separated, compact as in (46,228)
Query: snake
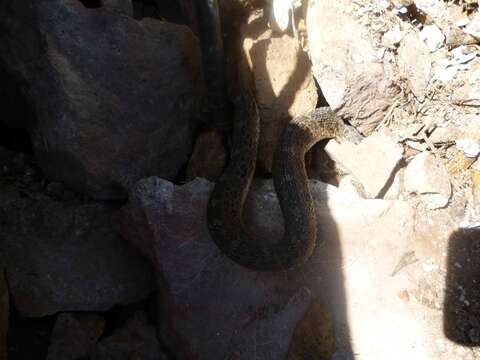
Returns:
(227,200)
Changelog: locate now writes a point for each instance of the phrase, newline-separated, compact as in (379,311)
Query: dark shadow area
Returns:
(461,312)
(28,338)
(168,10)
(91,3)
(16,114)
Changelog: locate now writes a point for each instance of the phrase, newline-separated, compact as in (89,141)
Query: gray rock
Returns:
(113,98)
(428,177)
(137,339)
(74,336)
(66,257)
(220,310)
(4,310)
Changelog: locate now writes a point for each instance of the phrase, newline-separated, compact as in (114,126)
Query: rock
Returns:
(66,257)
(396,189)
(428,177)
(280,14)
(354,82)
(58,191)
(438,13)
(470,147)
(372,162)
(415,63)
(350,185)
(4,309)
(392,37)
(473,28)
(74,336)
(220,310)
(432,36)
(314,336)
(459,162)
(121,6)
(112,98)
(137,339)
(283,80)
(209,156)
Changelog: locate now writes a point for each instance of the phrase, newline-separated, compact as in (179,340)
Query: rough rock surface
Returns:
(354,81)
(208,158)
(66,256)
(283,80)
(427,176)
(254,314)
(371,162)
(74,336)
(137,339)
(112,97)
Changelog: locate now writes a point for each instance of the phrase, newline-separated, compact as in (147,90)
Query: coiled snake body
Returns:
(227,201)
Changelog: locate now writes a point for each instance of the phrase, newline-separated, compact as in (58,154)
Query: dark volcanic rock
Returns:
(112,98)
(137,339)
(66,256)
(74,336)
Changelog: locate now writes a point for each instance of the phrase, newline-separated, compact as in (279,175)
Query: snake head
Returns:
(348,133)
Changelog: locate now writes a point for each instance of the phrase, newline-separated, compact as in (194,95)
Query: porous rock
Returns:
(283,80)
(355,83)
(74,336)
(112,98)
(66,256)
(220,310)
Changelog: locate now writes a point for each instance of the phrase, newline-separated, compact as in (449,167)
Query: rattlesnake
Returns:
(226,203)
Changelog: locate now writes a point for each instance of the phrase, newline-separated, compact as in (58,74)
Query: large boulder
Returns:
(220,310)
(112,98)
(66,256)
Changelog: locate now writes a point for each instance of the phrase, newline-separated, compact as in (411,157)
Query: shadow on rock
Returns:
(461,319)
